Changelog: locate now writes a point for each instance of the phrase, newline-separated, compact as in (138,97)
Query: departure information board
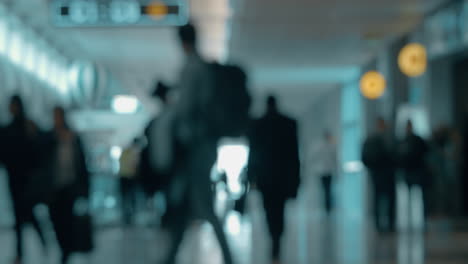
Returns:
(99,13)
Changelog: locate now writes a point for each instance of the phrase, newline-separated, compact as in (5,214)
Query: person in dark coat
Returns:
(379,156)
(20,160)
(412,155)
(274,166)
(66,162)
(191,183)
(153,180)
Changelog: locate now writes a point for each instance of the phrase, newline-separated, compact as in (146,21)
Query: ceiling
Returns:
(296,48)
(264,35)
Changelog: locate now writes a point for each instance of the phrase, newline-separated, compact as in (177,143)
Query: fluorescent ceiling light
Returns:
(125,104)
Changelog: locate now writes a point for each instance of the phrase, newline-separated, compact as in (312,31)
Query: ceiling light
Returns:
(125,104)
(412,60)
(373,85)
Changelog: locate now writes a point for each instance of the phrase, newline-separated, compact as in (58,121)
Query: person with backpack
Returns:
(379,156)
(274,167)
(202,115)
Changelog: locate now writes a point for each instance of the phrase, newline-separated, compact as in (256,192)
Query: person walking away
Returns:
(71,183)
(20,160)
(379,156)
(129,163)
(274,166)
(152,179)
(328,161)
(413,152)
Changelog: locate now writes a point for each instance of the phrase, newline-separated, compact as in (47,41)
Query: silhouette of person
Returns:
(155,180)
(129,163)
(328,162)
(66,162)
(412,154)
(20,159)
(192,175)
(379,156)
(273,166)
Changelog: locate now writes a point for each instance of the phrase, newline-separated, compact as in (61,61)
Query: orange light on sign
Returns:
(373,85)
(413,60)
(157,10)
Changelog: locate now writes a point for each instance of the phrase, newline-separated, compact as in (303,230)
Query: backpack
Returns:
(230,103)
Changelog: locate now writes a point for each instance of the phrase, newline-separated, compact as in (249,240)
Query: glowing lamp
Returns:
(413,60)
(373,85)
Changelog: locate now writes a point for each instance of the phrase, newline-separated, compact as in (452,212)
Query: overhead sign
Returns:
(98,13)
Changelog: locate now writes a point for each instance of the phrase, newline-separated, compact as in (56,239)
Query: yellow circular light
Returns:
(157,10)
(373,85)
(413,60)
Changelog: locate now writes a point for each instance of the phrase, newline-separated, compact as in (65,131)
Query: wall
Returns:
(440,93)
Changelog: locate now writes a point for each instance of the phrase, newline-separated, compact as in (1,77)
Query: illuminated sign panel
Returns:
(98,13)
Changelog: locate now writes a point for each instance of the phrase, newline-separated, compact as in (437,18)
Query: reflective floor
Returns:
(345,237)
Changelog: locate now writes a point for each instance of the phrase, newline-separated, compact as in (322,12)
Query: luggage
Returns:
(82,228)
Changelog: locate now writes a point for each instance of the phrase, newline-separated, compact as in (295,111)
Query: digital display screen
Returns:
(97,13)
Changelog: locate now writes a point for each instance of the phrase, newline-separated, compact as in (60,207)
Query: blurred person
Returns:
(71,181)
(191,182)
(20,159)
(412,155)
(129,163)
(274,167)
(378,155)
(328,163)
(154,180)
(444,156)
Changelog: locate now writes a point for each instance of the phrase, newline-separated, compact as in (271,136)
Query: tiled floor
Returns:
(346,237)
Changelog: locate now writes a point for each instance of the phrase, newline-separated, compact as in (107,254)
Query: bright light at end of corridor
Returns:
(125,104)
(116,152)
(232,159)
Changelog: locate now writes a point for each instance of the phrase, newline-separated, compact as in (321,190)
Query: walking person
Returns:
(129,187)
(66,162)
(274,166)
(20,159)
(154,180)
(412,154)
(379,156)
(328,163)
(191,186)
